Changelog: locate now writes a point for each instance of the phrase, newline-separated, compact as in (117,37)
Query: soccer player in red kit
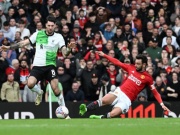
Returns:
(122,97)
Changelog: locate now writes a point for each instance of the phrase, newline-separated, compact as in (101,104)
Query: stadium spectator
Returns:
(102,14)
(67,6)
(75,94)
(11,54)
(22,74)
(107,30)
(114,6)
(5,4)
(154,51)
(7,31)
(106,86)
(64,78)
(92,23)
(99,40)
(86,76)
(175,14)
(13,26)
(82,18)
(33,24)
(118,36)
(2,17)
(93,56)
(174,60)
(112,73)
(94,88)
(10,89)
(171,50)
(173,88)
(169,33)
(3,66)
(24,31)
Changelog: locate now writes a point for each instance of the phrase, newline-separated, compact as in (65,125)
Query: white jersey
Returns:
(46,47)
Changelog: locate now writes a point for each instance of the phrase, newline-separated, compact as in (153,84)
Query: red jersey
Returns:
(135,82)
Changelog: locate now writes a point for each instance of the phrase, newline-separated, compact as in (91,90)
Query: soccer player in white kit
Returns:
(44,64)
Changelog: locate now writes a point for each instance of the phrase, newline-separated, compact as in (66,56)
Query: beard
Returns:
(140,69)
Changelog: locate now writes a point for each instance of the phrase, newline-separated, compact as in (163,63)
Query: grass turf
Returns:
(155,126)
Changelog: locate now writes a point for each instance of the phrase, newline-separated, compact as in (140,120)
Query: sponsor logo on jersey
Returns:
(134,79)
(142,77)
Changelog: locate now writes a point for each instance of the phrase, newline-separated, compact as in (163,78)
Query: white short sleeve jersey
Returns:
(46,47)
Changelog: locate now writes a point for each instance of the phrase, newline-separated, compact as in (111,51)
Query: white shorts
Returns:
(122,101)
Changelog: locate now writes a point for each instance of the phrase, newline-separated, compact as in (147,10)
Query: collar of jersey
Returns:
(50,34)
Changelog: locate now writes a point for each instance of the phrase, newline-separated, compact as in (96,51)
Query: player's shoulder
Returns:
(148,76)
(57,34)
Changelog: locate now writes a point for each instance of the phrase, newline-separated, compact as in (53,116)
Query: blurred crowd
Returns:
(120,28)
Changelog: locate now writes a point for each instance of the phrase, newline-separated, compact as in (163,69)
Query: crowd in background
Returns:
(120,28)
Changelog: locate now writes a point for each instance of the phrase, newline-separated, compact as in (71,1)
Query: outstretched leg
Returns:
(115,112)
(106,100)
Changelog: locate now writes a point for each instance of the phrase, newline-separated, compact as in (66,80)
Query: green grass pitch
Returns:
(154,126)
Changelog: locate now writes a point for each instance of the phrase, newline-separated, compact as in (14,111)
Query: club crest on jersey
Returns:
(142,77)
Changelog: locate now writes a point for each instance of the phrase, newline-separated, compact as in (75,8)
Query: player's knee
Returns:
(56,91)
(30,84)
(105,101)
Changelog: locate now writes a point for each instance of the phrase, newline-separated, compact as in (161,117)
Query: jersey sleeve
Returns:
(33,37)
(117,62)
(61,41)
(154,91)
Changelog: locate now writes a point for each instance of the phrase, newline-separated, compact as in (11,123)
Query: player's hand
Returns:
(72,45)
(100,53)
(165,108)
(4,48)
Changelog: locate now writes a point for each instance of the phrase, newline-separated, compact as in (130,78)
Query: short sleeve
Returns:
(61,41)
(32,38)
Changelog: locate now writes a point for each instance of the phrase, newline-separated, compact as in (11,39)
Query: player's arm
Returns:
(16,45)
(113,60)
(22,43)
(158,97)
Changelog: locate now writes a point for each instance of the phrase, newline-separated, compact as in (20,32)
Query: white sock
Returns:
(61,100)
(108,115)
(36,89)
(99,102)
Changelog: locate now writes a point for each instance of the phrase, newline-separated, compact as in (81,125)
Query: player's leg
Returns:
(106,100)
(33,87)
(116,111)
(52,78)
(35,75)
(121,105)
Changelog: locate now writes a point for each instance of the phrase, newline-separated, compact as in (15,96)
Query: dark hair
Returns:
(11,8)
(6,23)
(21,21)
(142,57)
(51,19)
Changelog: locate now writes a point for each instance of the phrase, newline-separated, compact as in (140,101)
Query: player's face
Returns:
(138,65)
(50,26)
